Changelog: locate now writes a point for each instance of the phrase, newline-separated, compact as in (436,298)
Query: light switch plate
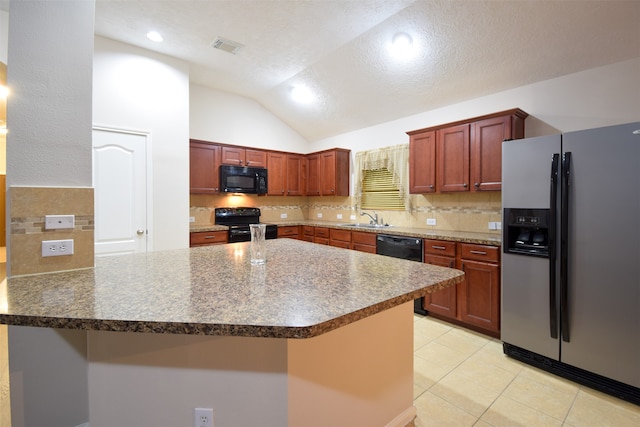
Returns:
(339,216)
(431,221)
(319,215)
(283,215)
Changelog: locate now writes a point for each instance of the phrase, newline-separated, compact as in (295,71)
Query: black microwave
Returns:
(238,179)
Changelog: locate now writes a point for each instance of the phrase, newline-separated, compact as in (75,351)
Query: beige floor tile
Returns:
(440,356)
(418,390)
(487,375)
(493,354)
(543,393)
(464,393)
(506,412)
(592,408)
(462,341)
(437,412)
(426,373)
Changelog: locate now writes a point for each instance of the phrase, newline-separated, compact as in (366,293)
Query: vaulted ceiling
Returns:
(337,48)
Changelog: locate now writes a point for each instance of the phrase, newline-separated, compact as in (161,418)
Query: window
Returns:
(382,177)
(379,191)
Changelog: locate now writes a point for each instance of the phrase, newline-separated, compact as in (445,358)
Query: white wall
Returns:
(4,36)
(49,144)
(601,96)
(226,118)
(49,110)
(137,89)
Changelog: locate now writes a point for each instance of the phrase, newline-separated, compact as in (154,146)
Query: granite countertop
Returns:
(302,291)
(491,239)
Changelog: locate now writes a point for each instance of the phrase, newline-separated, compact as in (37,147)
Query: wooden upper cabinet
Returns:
(277,174)
(334,172)
(313,175)
(422,162)
(468,153)
(486,149)
(295,174)
(239,156)
(204,162)
(453,158)
(286,172)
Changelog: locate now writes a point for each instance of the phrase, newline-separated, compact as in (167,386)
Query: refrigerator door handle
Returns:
(553,214)
(564,246)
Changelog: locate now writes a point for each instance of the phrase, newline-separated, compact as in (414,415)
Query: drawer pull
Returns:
(442,248)
(478,252)
(210,237)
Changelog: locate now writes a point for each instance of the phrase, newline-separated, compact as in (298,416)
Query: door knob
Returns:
(140,232)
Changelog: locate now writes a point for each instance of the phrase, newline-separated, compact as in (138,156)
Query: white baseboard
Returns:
(403,418)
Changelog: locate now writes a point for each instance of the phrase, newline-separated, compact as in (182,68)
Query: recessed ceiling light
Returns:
(302,94)
(401,45)
(154,36)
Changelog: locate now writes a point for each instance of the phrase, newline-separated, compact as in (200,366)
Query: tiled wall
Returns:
(29,205)
(455,211)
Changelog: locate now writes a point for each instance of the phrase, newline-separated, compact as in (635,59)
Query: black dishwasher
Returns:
(405,248)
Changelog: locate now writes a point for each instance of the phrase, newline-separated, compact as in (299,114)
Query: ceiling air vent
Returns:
(227,45)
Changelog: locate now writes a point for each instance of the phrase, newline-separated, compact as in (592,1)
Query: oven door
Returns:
(239,233)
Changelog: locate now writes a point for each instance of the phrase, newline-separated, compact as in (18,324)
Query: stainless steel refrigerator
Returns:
(571,256)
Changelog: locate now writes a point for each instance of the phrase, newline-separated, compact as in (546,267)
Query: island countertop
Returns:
(302,291)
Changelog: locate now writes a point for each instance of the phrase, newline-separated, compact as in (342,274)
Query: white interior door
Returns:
(120,177)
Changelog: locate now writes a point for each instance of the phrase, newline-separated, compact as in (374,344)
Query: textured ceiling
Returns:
(467,48)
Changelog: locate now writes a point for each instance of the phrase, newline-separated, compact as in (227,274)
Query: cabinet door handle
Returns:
(477,185)
(247,163)
(465,185)
(442,248)
(478,252)
(431,186)
(209,237)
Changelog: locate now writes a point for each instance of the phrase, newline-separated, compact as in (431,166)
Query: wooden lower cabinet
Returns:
(363,241)
(475,302)
(202,238)
(307,233)
(289,231)
(321,235)
(441,253)
(479,294)
(340,238)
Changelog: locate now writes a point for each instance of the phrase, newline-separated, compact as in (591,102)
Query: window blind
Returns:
(379,190)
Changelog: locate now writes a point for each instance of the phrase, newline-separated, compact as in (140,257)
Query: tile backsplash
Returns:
(470,212)
(28,207)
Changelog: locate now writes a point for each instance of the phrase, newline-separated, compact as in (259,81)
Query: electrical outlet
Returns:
(56,222)
(57,247)
(431,221)
(203,417)
(283,215)
(498,225)
(319,215)
(352,217)
(339,216)
(192,219)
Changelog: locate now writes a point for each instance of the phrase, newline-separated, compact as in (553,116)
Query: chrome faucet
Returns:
(374,219)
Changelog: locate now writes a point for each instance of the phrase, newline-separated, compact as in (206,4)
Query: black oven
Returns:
(238,220)
(238,179)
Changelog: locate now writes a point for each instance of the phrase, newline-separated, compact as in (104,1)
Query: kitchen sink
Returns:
(367,225)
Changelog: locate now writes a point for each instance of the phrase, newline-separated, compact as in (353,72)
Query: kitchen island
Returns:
(316,336)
